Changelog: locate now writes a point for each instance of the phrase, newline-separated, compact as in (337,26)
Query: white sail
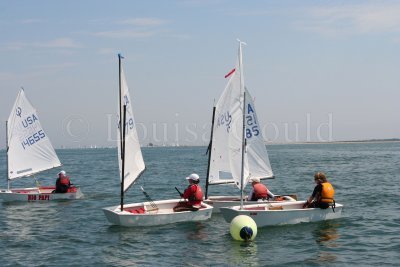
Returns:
(226,141)
(29,148)
(256,153)
(134,164)
(226,151)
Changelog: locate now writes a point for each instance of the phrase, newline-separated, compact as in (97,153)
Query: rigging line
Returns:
(152,204)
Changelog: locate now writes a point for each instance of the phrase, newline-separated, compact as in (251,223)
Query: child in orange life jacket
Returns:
(192,193)
(259,191)
(322,196)
(63,183)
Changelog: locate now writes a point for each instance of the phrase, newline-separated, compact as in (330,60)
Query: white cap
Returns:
(255,179)
(62,172)
(193,176)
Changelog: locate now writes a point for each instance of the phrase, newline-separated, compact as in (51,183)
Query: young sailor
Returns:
(63,182)
(322,196)
(259,191)
(192,194)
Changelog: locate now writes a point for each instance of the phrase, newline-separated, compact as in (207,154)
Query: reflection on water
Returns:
(325,257)
(244,253)
(198,232)
(153,243)
(326,234)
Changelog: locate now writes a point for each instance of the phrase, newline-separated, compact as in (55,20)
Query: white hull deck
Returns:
(35,194)
(143,214)
(229,201)
(281,213)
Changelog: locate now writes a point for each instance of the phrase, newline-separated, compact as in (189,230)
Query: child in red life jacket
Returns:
(193,194)
(63,183)
(259,191)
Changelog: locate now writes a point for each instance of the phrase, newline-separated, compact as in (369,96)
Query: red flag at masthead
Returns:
(229,74)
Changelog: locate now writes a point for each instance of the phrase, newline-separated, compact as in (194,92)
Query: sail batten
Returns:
(134,163)
(29,148)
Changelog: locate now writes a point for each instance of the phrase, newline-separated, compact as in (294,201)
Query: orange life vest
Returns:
(327,193)
(260,191)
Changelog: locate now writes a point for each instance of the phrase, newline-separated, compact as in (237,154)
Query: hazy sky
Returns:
(318,70)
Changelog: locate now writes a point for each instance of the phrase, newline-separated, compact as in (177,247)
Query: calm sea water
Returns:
(76,233)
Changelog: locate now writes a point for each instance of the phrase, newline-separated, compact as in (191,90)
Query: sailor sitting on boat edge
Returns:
(192,193)
(63,182)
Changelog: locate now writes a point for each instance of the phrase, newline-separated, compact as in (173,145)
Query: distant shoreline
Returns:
(392,140)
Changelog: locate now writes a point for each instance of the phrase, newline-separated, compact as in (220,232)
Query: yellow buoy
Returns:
(243,228)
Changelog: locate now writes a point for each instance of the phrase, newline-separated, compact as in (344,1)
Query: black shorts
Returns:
(62,189)
(321,205)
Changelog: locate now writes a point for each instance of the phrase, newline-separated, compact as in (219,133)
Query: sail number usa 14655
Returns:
(30,140)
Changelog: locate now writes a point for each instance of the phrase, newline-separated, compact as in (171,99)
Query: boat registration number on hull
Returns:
(38,197)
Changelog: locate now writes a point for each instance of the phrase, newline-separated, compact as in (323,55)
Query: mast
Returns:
(122,115)
(120,101)
(209,149)
(123,162)
(8,180)
(244,126)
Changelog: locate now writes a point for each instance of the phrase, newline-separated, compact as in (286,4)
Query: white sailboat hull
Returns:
(35,194)
(228,201)
(142,214)
(290,213)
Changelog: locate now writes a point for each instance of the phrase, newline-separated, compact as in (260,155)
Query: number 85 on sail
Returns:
(252,128)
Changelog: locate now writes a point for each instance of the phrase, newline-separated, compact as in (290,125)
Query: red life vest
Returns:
(260,191)
(193,194)
(62,184)
(64,180)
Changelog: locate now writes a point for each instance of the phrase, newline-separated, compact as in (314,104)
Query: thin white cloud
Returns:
(397,40)
(37,71)
(5,76)
(14,46)
(197,3)
(143,22)
(252,12)
(353,19)
(60,43)
(106,51)
(30,21)
(125,34)
(63,65)
(134,28)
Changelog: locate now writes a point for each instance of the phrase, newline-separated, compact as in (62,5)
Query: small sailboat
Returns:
(264,214)
(267,214)
(29,152)
(131,166)
(236,144)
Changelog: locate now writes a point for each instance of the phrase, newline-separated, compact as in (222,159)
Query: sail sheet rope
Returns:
(152,204)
